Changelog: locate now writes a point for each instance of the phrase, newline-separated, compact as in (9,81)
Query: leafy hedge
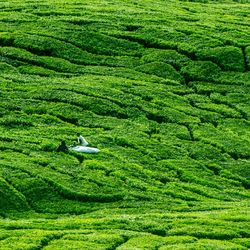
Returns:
(248,56)
(20,121)
(206,243)
(10,198)
(6,68)
(228,57)
(229,142)
(160,69)
(54,63)
(48,46)
(200,70)
(101,44)
(36,70)
(161,89)
(171,57)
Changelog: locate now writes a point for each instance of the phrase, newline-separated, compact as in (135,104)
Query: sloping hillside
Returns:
(161,88)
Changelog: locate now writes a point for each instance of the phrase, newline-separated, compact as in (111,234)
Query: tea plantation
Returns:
(162,88)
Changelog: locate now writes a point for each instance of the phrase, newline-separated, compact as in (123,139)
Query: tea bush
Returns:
(226,141)
(204,244)
(200,70)
(224,110)
(98,43)
(10,198)
(18,54)
(248,56)
(36,70)
(161,88)
(33,239)
(160,69)
(11,121)
(48,46)
(6,68)
(227,57)
(234,78)
(171,57)
(242,242)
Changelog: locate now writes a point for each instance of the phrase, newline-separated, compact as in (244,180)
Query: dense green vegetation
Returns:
(162,88)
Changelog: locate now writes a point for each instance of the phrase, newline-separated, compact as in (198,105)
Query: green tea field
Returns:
(161,88)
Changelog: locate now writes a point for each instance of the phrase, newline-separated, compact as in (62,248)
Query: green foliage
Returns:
(48,46)
(161,88)
(200,70)
(160,69)
(6,68)
(248,56)
(16,121)
(98,43)
(168,56)
(220,108)
(48,146)
(228,142)
(10,198)
(204,244)
(200,151)
(35,70)
(228,57)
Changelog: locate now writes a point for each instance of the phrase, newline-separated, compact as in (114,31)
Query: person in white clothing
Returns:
(81,140)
